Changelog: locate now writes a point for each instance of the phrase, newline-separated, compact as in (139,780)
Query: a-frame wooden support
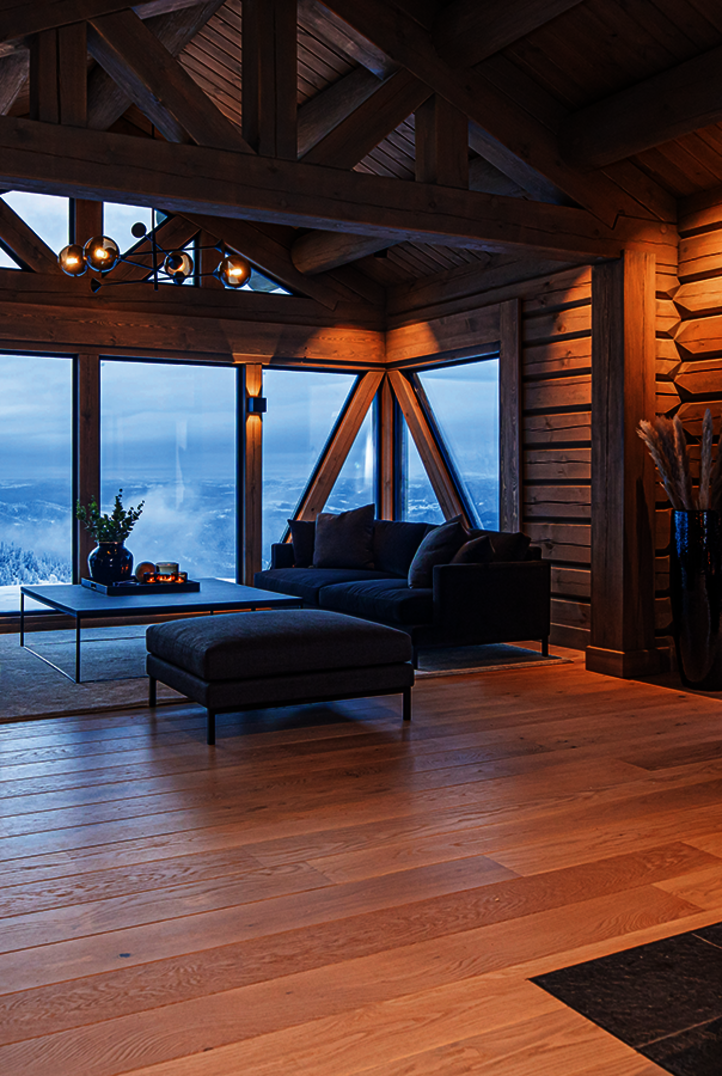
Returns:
(416,411)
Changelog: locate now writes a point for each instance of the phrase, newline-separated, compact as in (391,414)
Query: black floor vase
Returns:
(695,579)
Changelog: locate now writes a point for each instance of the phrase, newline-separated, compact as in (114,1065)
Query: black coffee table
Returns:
(82,603)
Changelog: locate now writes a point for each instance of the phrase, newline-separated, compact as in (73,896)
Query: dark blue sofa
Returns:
(502,601)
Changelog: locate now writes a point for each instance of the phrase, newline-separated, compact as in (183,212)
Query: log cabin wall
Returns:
(556,441)
(689,355)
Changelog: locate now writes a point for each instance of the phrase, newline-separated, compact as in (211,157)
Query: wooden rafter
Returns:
(108,167)
(133,56)
(468,31)
(317,252)
(404,41)
(18,18)
(318,116)
(441,480)
(107,101)
(25,243)
(442,144)
(656,110)
(14,70)
(338,446)
(379,115)
(317,17)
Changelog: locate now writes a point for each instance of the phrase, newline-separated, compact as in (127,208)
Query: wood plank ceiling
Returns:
(579,66)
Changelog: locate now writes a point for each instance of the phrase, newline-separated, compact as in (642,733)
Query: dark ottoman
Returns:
(245,661)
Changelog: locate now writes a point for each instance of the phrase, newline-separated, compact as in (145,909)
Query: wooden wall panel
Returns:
(556,441)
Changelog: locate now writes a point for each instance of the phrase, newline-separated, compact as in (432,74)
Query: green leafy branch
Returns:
(108,528)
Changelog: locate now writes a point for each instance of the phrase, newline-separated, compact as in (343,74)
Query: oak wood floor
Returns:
(328,893)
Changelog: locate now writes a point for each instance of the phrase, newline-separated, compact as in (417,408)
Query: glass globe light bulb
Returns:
(233,271)
(178,265)
(102,253)
(72,261)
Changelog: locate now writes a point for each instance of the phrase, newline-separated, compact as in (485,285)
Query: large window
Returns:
(355,483)
(465,403)
(168,437)
(302,408)
(419,503)
(35,473)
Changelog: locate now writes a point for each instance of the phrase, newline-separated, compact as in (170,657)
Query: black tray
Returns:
(132,587)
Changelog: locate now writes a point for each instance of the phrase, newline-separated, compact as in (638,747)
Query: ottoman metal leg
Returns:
(211,738)
(151,691)
(407,704)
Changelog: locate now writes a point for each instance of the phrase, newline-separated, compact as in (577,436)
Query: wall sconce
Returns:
(256,405)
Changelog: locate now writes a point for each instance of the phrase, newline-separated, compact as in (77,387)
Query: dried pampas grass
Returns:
(667,446)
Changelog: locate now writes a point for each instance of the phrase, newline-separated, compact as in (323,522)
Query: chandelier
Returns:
(101,254)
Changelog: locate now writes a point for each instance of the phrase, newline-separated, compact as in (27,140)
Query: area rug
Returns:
(454,661)
(113,670)
(112,667)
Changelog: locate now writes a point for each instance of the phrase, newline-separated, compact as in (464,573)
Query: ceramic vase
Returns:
(110,562)
(695,579)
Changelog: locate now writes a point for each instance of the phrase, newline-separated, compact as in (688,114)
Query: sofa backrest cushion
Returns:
(395,544)
(476,551)
(345,540)
(438,547)
(303,532)
(508,545)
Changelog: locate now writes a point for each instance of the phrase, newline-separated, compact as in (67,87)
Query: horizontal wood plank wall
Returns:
(556,441)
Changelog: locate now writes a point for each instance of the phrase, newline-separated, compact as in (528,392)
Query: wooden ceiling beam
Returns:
(317,252)
(318,18)
(14,72)
(182,178)
(405,42)
(19,18)
(159,86)
(107,101)
(468,31)
(25,243)
(318,116)
(654,111)
(269,75)
(350,141)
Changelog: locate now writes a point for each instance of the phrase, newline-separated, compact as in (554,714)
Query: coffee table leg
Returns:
(152,698)
(77,649)
(211,738)
(407,704)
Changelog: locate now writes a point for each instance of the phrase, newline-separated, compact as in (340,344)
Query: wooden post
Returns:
(510,459)
(387,449)
(86,220)
(252,475)
(59,75)
(269,77)
(87,452)
(623,356)
(442,144)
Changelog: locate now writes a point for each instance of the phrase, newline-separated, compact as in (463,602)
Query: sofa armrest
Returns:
(493,602)
(282,555)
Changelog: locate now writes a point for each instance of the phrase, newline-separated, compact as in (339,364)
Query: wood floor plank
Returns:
(329,893)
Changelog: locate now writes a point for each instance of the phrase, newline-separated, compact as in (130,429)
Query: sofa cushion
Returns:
(438,547)
(389,600)
(307,582)
(475,551)
(395,544)
(345,540)
(508,545)
(277,642)
(303,532)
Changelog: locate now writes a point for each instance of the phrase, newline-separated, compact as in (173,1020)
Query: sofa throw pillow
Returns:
(303,532)
(438,547)
(345,540)
(395,543)
(509,545)
(476,551)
